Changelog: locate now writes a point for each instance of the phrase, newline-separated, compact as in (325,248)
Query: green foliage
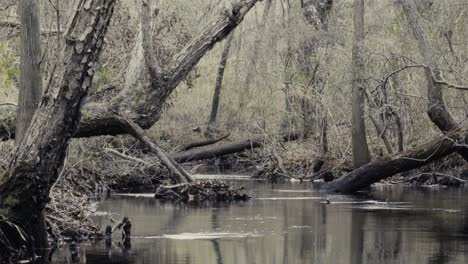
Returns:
(9,70)
(103,76)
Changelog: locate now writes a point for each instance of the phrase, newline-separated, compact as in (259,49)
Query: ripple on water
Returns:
(209,236)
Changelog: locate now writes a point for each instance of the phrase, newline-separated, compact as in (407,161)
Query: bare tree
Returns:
(359,141)
(219,82)
(454,140)
(98,118)
(37,161)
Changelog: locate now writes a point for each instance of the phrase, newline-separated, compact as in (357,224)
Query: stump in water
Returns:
(202,191)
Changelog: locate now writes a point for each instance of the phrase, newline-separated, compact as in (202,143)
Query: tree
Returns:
(219,82)
(359,141)
(37,161)
(98,118)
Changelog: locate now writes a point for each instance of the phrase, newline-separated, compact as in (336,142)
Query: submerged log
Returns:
(408,160)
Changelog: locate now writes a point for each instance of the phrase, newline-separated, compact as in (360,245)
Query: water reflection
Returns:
(413,226)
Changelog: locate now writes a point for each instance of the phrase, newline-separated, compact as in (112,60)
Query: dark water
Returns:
(290,223)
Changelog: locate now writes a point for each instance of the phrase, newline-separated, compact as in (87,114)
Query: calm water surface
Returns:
(289,223)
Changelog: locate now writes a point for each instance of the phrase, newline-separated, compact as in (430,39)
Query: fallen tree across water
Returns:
(408,160)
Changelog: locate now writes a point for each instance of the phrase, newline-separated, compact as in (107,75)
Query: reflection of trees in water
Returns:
(286,234)
(215,242)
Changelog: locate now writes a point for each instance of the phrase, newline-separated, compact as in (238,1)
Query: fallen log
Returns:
(227,149)
(408,160)
(217,151)
(203,143)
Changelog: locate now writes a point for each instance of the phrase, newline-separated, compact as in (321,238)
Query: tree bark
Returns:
(30,91)
(143,104)
(37,161)
(359,141)
(219,82)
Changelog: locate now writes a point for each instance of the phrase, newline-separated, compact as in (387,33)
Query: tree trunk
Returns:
(30,91)
(359,141)
(219,82)
(98,119)
(36,162)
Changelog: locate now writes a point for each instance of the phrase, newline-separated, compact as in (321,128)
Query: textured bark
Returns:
(143,104)
(30,91)
(36,162)
(359,141)
(219,82)
(411,159)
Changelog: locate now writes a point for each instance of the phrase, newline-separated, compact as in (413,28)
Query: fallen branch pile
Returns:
(202,191)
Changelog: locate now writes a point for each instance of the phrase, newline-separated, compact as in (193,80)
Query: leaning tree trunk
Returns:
(359,141)
(36,162)
(98,118)
(219,82)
